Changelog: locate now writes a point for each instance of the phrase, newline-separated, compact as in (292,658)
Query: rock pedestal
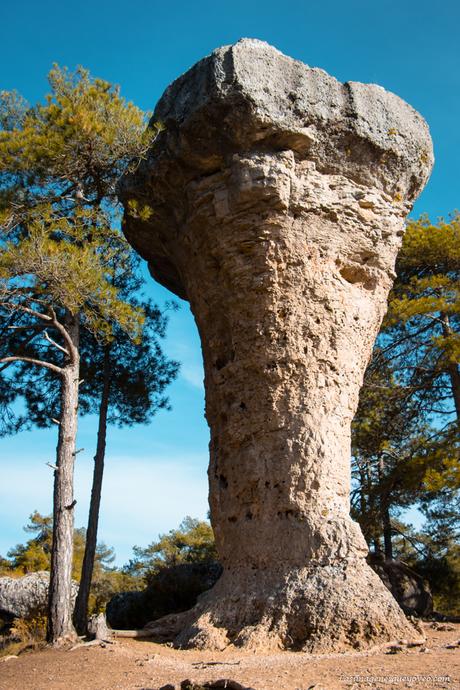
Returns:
(279,197)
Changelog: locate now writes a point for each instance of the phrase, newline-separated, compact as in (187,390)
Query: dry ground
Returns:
(143,665)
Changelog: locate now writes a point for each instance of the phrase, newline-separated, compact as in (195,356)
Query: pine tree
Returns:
(421,330)
(35,554)
(124,384)
(192,542)
(405,434)
(59,166)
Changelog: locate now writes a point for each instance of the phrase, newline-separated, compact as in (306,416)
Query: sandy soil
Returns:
(143,665)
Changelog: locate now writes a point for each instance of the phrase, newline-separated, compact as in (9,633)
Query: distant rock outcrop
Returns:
(22,597)
(172,590)
(409,588)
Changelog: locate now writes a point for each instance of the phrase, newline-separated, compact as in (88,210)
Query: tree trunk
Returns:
(387,533)
(81,605)
(452,368)
(384,511)
(60,627)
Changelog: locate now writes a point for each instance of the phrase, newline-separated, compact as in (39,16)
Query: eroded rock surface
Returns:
(279,197)
(21,597)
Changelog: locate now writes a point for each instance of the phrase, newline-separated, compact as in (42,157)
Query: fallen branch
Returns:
(132,633)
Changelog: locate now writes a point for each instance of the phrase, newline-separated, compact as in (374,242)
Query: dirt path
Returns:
(142,665)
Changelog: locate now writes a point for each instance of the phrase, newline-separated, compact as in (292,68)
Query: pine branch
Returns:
(73,352)
(30,360)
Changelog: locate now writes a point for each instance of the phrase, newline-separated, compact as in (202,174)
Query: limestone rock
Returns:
(21,597)
(409,589)
(127,610)
(250,97)
(279,197)
(170,591)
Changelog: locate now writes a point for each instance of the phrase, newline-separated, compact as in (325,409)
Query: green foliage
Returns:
(23,634)
(59,166)
(107,582)
(421,331)
(61,249)
(35,554)
(139,371)
(78,142)
(405,441)
(389,441)
(63,256)
(67,262)
(434,551)
(192,542)
(177,568)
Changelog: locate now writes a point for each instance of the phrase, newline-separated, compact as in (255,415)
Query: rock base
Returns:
(318,609)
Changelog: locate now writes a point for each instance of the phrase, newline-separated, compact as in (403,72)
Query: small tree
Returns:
(35,554)
(124,384)
(59,166)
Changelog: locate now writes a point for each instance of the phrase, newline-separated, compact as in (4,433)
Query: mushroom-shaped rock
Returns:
(278,197)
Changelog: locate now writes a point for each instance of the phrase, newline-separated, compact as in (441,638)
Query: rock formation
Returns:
(22,597)
(278,197)
(411,590)
(172,589)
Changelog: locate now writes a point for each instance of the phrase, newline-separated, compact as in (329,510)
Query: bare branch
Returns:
(31,360)
(37,326)
(50,318)
(26,310)
(53,342)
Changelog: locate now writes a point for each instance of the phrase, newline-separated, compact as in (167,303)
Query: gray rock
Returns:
(25,596)
(410,590)
(170,591)
(126,610)
(249,96)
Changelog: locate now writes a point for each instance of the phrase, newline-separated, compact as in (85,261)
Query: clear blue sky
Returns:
(157,474)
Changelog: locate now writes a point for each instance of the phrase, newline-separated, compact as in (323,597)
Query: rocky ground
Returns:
(143,665)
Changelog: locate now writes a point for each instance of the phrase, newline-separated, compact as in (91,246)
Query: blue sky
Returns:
(157,474)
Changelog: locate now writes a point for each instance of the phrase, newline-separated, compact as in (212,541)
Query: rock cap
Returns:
(249,98)
(249,95)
